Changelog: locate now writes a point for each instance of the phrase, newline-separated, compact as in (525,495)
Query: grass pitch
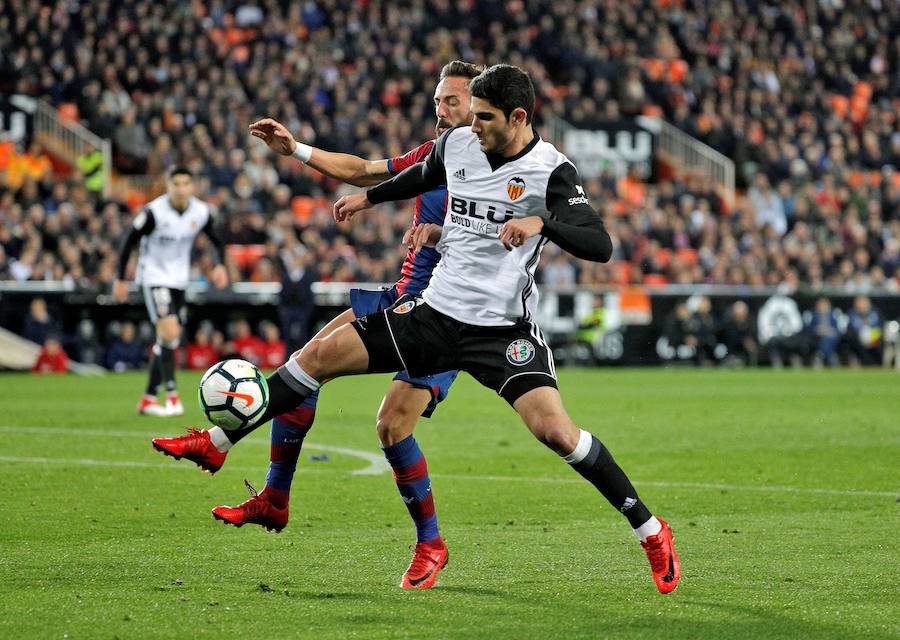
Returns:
(781,488)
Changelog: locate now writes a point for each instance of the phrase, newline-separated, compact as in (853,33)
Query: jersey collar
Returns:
(496,160)
(172,206)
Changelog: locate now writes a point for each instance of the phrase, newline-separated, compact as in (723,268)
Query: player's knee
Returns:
(169,343)
(169,330)
(394,423)
(312,356)
(319,356)
(555,431)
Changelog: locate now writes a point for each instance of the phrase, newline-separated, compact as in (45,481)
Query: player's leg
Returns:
(542,411)
(289,431)
(208,448)
(338,354)
(342,352)
(168,338)
(400,410)
(149,404)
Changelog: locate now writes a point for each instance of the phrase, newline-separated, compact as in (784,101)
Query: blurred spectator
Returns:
(864,332)
(823,327)
(125,352)
(295,303)
(201,354)
(700,330)
(781,331)
(589,333)
(559,272)
(84,346)
(677,342)
(738,334)
(274,354)
(768,206)
(90,164)
(245,344)
(52,358)
(132,144)
(39,325)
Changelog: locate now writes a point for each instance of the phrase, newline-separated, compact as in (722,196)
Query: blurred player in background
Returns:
(165,230)
(408,397)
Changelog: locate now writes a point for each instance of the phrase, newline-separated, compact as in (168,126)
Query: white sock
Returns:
(297,378)
(219,439)
(581,449)
(649,528)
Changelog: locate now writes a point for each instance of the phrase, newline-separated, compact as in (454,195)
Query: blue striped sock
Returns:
(411,476)
(288,432)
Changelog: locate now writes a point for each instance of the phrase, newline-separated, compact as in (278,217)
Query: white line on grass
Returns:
(682,485)
(377,463)
(449,476)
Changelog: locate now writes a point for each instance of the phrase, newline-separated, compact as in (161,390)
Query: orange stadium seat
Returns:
(655,280)
(245,255)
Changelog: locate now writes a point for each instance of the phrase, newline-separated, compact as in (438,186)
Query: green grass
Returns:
(781,488)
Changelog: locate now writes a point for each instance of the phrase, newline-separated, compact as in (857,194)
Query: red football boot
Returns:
(150,406)
(196,447)
(257,510)
(173,405)
(428,560)
(664,561)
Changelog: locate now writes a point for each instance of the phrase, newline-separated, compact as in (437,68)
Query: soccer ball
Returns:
(233,393)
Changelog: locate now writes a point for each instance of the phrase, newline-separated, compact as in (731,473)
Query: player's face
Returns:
(494,130)
(181,188)
(452,103)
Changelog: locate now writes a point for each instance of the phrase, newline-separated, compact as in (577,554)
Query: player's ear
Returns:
(518,116)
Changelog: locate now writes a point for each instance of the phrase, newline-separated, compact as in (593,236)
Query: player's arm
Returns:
(573,224)
(348,168)
(409,183)
(340,166)
(143,225)
(219,275)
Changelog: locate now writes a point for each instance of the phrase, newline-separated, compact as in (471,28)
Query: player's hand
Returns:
(515,232)
(348,206)
(219,276)
(120,291)
(423,235)
(274,134)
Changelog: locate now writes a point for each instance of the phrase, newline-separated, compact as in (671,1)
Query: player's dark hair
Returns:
(179,171)
(460,69)
(506,87)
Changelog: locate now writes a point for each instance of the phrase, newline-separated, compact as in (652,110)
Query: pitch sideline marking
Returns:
(682,485)
(378,465)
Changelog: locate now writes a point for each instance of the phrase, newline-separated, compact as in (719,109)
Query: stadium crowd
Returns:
(822,336)
(804,96)
(125,346)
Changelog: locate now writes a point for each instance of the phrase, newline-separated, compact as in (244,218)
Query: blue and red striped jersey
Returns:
(430,207)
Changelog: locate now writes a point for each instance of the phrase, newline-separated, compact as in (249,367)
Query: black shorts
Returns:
(163,301)
(413,336)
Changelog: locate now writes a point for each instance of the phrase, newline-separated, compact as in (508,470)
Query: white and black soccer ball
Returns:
(233,393)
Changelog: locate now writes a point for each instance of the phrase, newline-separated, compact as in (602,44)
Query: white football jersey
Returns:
(165,250)
(478,281)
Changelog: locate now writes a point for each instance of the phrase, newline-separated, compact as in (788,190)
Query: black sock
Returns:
(599,468)
(285,394)
(155,372)
(167,362)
